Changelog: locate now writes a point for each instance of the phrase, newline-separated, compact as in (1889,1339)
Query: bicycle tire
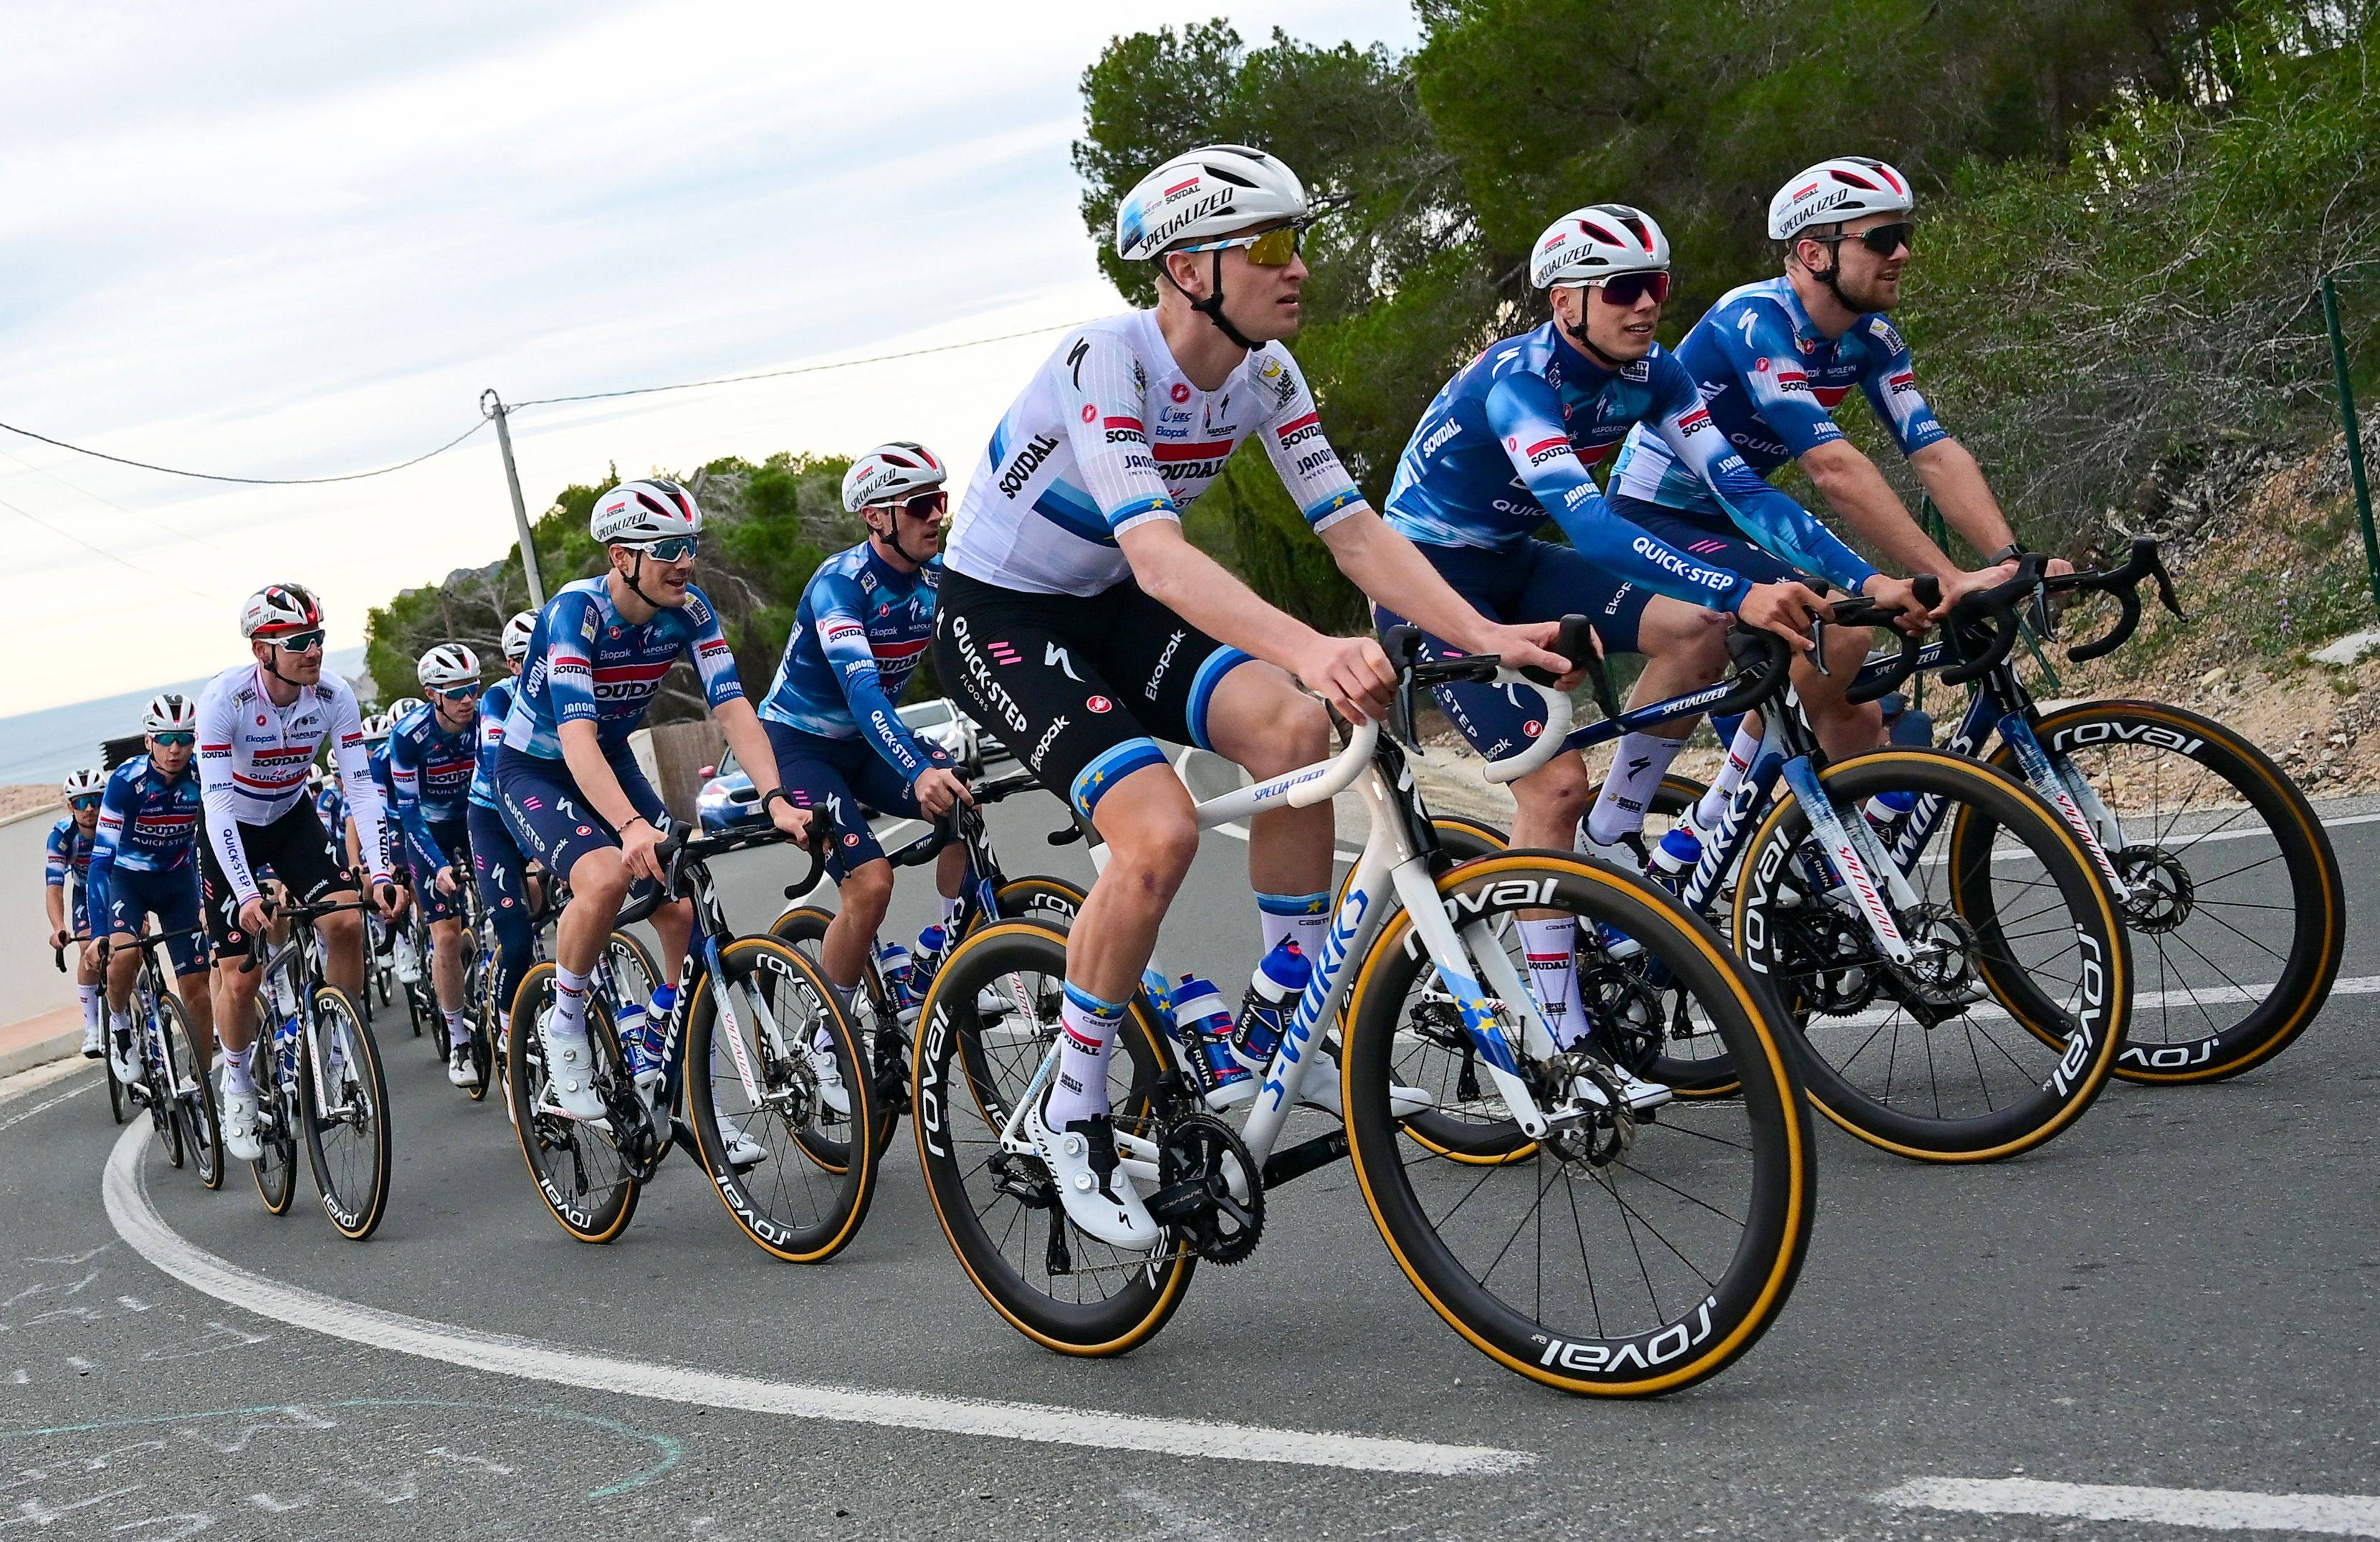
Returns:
(1149,1289)
(2316,891)
(593,1213)
(1709,1320)
(276,1169)
(804,926)
(115,1087)
(2039,1105)
(1037,895)
(355,1204)
(772,968)
(202,1124)
(157,1076)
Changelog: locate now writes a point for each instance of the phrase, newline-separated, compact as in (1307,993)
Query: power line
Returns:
(779,375)
(249,481)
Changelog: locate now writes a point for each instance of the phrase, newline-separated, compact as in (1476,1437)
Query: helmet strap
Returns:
(892,536)
(1578,336)
(1212,306)
(630,578)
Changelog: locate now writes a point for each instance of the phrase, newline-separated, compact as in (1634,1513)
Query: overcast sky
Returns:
(289,239)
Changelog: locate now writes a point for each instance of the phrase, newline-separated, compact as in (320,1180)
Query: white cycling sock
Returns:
(457,1034)
(1551,945)
(1637,771)
(1088,1028)
(952,905)
(1714,806)
(823,1041)
(569,1004)
(1298,918)
(91,996)
(238,1076)
(121,1022)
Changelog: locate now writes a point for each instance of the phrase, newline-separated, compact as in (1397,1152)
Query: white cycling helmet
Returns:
(278,609)
(83,784)
(1836,190)
(635,513)
(1596,242)
(170,712)
(1213,190)
(448,666)
(376,728)
(398,709)
(516,635)
(891,473)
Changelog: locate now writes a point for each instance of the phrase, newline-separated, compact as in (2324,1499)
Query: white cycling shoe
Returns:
(120,1055)
(570,1072)
(459,1069)
(1098,1198)
(1320,1090)
(744,1152)
(408,964)
(828,1072)
(237,1110)
(94,1042)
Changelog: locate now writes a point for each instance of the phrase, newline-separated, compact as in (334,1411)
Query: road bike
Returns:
(318,1080)
(174,1085)
(1632,1251)
(733,1079)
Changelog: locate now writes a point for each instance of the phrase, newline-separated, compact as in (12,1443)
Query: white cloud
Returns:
(282,239)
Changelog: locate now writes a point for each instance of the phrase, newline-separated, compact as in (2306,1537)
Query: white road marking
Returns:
(138,1222)
(47,1104)
(2214,1508)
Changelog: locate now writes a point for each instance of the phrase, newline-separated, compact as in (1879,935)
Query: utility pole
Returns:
(492,406)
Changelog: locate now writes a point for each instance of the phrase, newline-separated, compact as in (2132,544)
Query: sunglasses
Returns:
(458,694)
(176,739)
(671,548)
(1883,240)
(298,642)
(1269,249)
(1625,289)
(84,804)
(927,506)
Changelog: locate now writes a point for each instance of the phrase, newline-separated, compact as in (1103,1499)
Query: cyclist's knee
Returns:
(1684,635)
(1263,722)
(1558,790)
(341,927)
(867,892)
(599,878)
(1152,854)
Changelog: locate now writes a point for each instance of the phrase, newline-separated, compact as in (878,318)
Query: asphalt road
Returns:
(2179,1295)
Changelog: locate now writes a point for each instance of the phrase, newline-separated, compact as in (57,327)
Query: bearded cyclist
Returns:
(143,863)
(1077,620)
(864,619)
(571,790)
(66,858)
(259,727)
(497,864)
(432,753)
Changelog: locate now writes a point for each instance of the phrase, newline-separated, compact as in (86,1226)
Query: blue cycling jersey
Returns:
(430,777)
(1507,444)
(860,630)
(586,665)
(1772,380)
(495,703)
(68,849)
(148,823)
(331,810)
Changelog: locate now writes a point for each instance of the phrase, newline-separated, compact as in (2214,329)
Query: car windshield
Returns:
(924,714)
(727,766)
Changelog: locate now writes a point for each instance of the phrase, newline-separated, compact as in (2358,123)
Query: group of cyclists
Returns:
(1068,610)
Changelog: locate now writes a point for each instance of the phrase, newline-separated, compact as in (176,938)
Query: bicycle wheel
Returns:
(2236,909)
(588,1186)
(115,1087)
(627,974)
(1057,1285)
(1631,1254)
(884,1043)
(276,1109)
(1038,897)
(195,1109)
(1920,1057)
(748,1030)
(157,1080)
(347,1116)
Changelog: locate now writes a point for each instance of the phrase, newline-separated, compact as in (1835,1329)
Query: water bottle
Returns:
(1674,856)
(900,981)
(284,1047)
(636,1045)
(926,961)
(1203,1024)
(1272,996)
(1886,807)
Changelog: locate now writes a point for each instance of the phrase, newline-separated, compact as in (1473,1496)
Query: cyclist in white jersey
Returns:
(1076,619)
(259,727)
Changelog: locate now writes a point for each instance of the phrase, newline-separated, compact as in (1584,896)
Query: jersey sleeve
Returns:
(1891,383)
(714,660)
(1526,415)
(1772,519)
(1757,341)
(843,636)
(1300,455)
(57,855)
(405,794)
(571,628)
(1103,392)
(115,806)
(364,804)
(218,799)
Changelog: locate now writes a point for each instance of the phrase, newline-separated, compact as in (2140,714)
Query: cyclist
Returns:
(258,725)
(1077,621)
(328,807)
(66,856)
(433,750)
(497,865)
(842,750)
(141,865)
(377,734)
(572,793)
(1772,360)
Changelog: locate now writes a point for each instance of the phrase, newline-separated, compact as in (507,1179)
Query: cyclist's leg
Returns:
(882,791)
(812,773)
(673,923)
(121,926)
(174,900)
(496,868)
(444,914)
(300,855)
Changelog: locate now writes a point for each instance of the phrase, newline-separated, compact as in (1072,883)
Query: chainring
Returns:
(1196,1158)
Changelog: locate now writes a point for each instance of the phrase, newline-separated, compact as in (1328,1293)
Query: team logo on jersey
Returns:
(1098,704)
(1181,391)
(1533,728)
(1694,422)
(1028,460)
(1760,365)
(584,830)
(1090,413)
(1548,449)
(851,839)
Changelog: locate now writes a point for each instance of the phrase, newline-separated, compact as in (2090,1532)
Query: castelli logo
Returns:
(1089,412)
(260,719)
(584,830)
(1532,729)
(1098,704)
(1761,363)
(1181,391)
(851,840)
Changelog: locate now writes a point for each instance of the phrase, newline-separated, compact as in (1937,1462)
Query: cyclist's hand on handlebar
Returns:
(445,880)
(1901,594)
(1352,675)
(1530,648)
(254,916)
(58,940)
(1783,608)
(638,840)
(90,956)
(940,789)
(387,897)
(1958,586)
(795,822)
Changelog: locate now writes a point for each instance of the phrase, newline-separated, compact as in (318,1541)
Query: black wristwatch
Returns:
(2008,553)
(773,793)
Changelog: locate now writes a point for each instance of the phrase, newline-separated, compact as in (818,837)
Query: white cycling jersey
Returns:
(253,758)
(1111,433)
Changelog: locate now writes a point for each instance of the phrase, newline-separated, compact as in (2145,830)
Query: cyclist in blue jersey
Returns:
(377,734)
(1078,621)
(497,864)
(144,862)
(66,857)
(432,751)
(329,806)
(1772,360)
(571,791)
(866,619)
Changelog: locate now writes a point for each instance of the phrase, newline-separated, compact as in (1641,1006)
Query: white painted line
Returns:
(138,1222)
(2214,1508)
(47,1104)
(34,1078)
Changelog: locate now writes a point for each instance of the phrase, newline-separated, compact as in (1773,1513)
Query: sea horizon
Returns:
(37,747)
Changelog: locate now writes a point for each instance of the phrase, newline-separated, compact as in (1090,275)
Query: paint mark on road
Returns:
(2213,1509)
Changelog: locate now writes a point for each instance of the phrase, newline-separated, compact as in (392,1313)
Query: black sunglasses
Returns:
(84,804)
(1883,240)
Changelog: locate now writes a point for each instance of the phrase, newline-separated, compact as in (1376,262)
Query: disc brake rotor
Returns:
(2160,894)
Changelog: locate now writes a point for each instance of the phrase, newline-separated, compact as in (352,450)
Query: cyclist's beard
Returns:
(1863,296)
